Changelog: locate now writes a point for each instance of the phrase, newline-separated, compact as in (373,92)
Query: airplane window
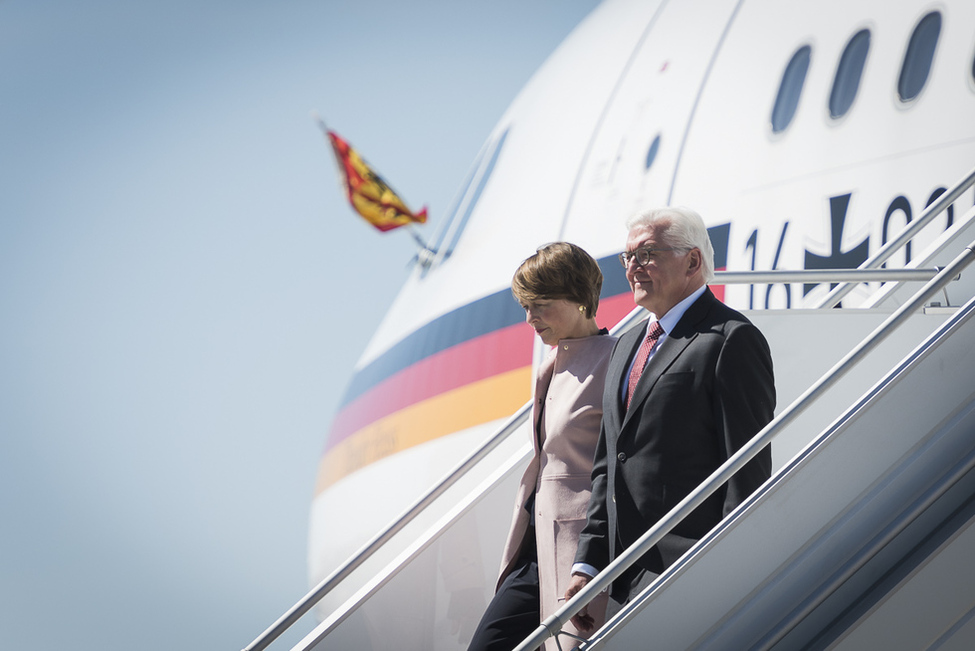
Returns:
(652,152)
(919,57)
(787,101)
(848,74)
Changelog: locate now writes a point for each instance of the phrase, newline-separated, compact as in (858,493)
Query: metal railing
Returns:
(818,276)
(719,477)
(905,236)
(634,317)
(320,591)
(376,542)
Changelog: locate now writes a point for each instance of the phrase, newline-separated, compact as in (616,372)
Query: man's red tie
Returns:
(642,355)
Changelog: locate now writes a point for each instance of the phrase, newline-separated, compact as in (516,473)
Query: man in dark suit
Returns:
(674,411)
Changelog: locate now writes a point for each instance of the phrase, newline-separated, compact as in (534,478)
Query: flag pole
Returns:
(416,236)
(424,254)
(320,122)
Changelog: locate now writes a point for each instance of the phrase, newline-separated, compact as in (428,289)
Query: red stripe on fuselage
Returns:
(490,354)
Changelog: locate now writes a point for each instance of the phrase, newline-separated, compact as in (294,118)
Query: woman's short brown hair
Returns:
(559,270)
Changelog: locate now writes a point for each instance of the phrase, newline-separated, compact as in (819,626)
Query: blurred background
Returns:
(184,291)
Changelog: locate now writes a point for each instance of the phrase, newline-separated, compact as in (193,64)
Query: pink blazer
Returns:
(566,413)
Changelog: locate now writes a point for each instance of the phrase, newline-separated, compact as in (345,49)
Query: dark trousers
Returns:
(514,612)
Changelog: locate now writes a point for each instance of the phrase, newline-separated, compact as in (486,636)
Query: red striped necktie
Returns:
(653,334)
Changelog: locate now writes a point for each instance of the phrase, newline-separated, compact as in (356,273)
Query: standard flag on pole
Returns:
(367,192)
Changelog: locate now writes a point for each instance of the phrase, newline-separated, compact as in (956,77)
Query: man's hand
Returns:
(582,620)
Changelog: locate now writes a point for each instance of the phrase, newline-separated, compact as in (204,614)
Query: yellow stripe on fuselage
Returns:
(478,402)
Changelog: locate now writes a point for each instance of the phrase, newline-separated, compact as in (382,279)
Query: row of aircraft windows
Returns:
(914,72)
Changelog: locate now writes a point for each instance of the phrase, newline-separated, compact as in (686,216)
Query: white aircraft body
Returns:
(807,134)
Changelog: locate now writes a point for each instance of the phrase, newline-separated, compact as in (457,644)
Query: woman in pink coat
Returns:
(559,289)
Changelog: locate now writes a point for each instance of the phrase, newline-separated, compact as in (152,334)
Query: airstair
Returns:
(861,539)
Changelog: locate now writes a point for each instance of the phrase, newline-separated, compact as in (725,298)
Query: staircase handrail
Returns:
(602,581)
(906,234)
(375,543)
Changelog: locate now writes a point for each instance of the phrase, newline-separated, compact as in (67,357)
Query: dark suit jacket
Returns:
(707,390)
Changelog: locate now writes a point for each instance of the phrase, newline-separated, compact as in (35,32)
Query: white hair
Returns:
(686,231)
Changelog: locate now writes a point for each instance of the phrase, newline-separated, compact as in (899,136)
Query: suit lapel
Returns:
(676,342)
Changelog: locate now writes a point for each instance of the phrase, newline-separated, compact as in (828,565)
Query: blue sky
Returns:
(184,292)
